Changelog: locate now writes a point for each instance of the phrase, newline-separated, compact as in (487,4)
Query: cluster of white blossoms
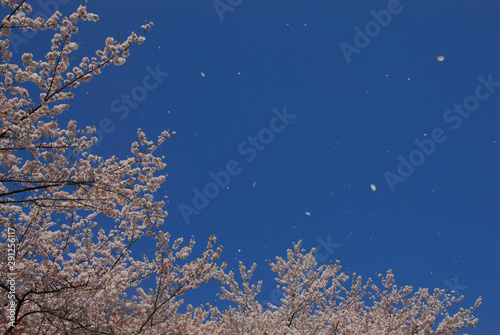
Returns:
(53,75)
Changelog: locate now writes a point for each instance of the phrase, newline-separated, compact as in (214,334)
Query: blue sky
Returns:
(350,119)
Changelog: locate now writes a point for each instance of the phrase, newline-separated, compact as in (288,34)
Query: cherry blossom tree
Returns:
(67,273)
(71,221)
(318,300)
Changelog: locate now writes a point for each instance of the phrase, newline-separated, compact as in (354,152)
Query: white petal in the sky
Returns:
(202,74)
(308,214)
(374,188)
(440,58)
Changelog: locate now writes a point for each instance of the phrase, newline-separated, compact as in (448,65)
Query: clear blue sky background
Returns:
(440,228)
